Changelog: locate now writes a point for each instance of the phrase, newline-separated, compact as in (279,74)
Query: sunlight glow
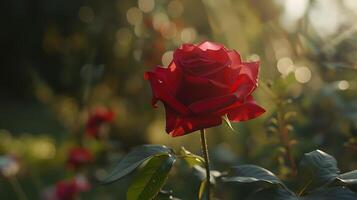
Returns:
(169,31)
(293,10)
(351,4)
(160,21)
(303,74)
(285,66)
(166,58)
(343,85)
(43,149)
(124,38)
(134,16)
(146,5)
(325,17)
(175,8)
(188,35)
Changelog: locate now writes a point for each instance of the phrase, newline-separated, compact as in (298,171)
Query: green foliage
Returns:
(156,162)
(191,159)
(165,195)
(87,54)
(202,189)
(150,179)
(318,174)
(254,176)
(273,194)
(134,159)
(348,179)
(316,169)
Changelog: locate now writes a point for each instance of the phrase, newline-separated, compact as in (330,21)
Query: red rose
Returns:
(66,190)
(79,157)
(203,83)
(96,119)
(69,189)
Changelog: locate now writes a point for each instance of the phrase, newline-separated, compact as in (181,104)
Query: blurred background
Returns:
(63,60)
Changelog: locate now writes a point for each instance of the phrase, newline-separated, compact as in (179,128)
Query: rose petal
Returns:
(201,62)
(177,125)
(203,83)
(210,45)
(240,81)
(231,73)
(171,117)
(212,104)
(242,90)
(235,58)
(173,76)
(185,52)
(246,111)
(251,69)
(193,89)
(243,86)
(215,51)
(164,84)
(187,47)
(203,68)
(219,56)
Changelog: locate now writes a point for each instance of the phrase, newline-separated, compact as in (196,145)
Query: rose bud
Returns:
(203,83)
(79,157)
(96,120)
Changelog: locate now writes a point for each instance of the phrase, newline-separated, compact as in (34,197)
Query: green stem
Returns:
(205,155)
(17,188)
(284,137)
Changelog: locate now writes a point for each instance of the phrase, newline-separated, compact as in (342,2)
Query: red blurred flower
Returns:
(69,189)
(203,83)
(99,117)
(79,157)
(66,190)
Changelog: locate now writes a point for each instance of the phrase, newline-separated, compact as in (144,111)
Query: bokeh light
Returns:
(285,66)
(134,16)
(160,21)
(303,74)
(188,35)
(146,5)
(167,58)
(124,38)
(43,149)
(325,17)
(351,4)
(343,85)
(175,8)
(293,10)
(169,31)
(72,57)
